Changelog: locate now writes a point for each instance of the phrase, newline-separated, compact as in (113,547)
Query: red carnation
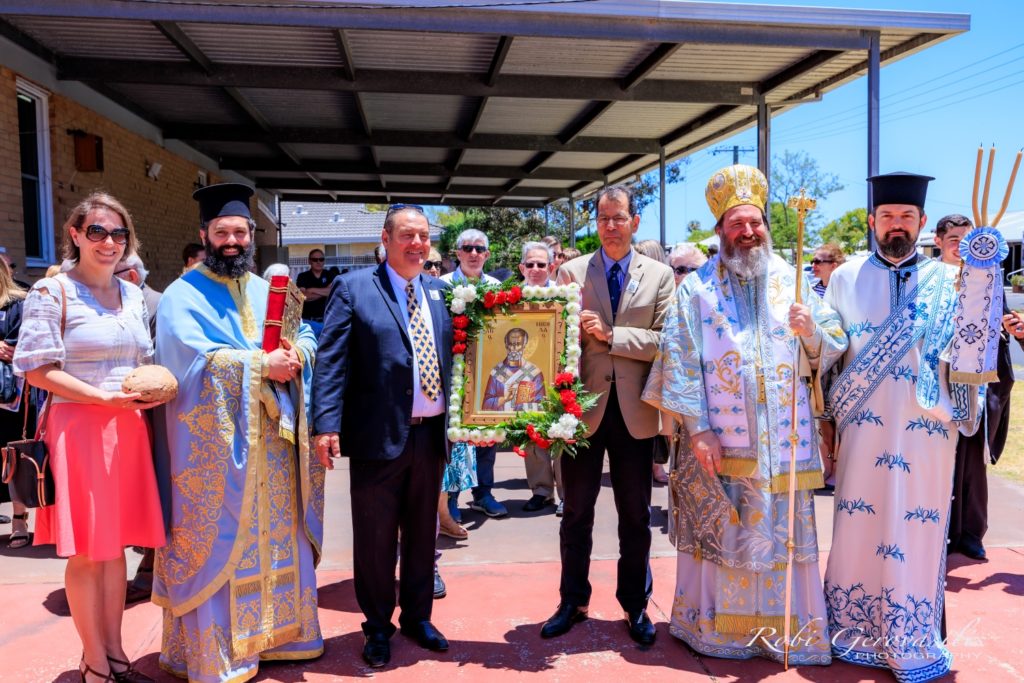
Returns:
(459,335)
(515,294)
(530,430)
(501,298)
(567,396)
(519,451)
(564,380)
(489,299)
(458,348)
(460,322)
(575,410)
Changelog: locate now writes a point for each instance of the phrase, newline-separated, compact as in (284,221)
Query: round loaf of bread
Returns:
(154,382)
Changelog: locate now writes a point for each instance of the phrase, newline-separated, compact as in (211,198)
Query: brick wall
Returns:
(165,216)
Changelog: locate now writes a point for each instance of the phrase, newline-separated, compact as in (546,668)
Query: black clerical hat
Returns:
(224,199)
(899,188)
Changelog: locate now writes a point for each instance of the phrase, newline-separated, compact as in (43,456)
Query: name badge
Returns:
(435,295)
(632,286)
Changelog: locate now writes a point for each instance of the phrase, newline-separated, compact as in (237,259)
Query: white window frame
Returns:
(46,229)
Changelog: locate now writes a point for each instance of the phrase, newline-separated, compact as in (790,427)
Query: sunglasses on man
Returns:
(533,264)
(470,248)
(316,259)
(97,233)
(403,207)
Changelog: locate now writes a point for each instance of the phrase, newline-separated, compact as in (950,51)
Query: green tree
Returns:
(694,232)
(783,222)
(850,231)
(792,172)
(506,230)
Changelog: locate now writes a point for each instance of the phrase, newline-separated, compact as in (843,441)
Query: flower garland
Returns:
(558,425)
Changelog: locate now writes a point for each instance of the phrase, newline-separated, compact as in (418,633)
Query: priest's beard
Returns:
(747,263)
(896,247)
(232,266)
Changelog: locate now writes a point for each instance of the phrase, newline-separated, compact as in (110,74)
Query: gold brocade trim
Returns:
(252,647)
(805,481)
(972,378)
(245,519)
(750,623)
(738,467)
(311,472)
(291,655)
(236,288)
(240,678)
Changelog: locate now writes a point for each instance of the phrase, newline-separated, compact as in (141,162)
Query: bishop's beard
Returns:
(747,263)
(233,266)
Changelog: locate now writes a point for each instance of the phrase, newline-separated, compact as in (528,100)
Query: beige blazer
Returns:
(646,292)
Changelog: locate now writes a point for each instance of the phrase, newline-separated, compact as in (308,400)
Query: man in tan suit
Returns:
(625,297)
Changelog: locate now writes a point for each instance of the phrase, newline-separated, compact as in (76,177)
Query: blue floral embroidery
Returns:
(890,550)
(899,627)
(866,416)
(851,506)
(933,427)
(904,372)
(929,515)
(892,461)
(860,328)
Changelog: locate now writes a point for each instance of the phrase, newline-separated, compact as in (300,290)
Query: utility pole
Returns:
(735,149)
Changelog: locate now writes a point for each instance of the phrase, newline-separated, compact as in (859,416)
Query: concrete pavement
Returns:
(502,584)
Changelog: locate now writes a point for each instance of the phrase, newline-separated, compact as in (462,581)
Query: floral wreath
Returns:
(558,425)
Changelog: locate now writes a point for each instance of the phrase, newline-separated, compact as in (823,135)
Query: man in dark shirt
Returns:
(315,283)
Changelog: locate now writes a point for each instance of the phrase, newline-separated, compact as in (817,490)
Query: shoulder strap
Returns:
(41,422)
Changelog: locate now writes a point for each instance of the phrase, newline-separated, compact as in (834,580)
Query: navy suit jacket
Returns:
(363,377)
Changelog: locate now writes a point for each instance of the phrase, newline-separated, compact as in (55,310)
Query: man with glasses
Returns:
(382,382)
(625,297)
(315,283)
(472,250)
(542,474)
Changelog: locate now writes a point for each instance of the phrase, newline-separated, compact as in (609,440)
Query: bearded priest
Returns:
(728,352)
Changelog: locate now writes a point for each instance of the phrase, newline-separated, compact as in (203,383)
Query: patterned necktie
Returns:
(423,345)
(614,288)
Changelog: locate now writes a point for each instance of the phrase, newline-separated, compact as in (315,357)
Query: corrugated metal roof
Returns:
(85,37)
(421,51)
(714,62)
(529,117)
(398,111)
(183,104)
(277,45)
(594,58)
(645,119)
(303,108)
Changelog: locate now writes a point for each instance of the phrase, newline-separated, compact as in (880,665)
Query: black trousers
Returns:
(968,516)
(630,461)
(389,496)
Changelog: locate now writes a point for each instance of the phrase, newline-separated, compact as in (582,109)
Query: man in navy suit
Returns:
(380,389)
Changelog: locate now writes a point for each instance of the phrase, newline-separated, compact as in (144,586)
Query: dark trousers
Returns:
(485,458)
(968,515)
(389,496)
(630,461)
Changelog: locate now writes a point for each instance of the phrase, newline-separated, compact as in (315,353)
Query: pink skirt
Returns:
(106,493)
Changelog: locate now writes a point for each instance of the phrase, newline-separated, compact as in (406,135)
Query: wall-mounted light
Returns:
(153,170)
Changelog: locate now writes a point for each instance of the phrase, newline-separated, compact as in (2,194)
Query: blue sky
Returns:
(936,107)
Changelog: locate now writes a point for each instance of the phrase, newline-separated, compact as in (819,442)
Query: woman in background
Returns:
(12,297)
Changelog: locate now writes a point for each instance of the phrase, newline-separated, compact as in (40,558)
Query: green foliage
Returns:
(588,243)
(849,231)
(792,172)
(506,230)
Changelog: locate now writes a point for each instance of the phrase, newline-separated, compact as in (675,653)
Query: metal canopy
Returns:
(517,104)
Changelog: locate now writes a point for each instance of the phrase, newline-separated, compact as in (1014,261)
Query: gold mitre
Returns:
(734,186)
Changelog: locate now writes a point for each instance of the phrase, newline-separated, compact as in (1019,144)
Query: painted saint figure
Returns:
(515,383)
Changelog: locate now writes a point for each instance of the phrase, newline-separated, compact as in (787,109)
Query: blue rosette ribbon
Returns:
(983,247)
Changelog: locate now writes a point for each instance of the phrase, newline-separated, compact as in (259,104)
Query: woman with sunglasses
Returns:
(432,266)
(97,437)
(826,259)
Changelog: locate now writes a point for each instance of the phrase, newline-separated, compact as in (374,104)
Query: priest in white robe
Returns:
(898,404)
(728,351)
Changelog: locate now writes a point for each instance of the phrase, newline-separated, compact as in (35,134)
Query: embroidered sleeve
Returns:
(39,340)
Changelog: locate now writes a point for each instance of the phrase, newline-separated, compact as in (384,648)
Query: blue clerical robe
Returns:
(236,578)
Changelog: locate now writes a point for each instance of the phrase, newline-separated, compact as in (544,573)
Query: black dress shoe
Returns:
(537,502)
(972,549)
(562,620)
(426,636)
(640,628)
(377,650)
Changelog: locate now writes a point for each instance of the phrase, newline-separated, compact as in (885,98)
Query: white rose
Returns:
(573,286)
(527,291)
(490,435)
(572,308)
(499,435)
(573,350)
(458,306)
(454,420)
(469,294)
(563,291)
(453,433)
(573,320)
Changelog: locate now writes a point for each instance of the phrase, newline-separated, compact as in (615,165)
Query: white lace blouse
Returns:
(100,346)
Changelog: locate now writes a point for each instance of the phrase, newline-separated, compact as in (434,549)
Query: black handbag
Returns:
(26,463)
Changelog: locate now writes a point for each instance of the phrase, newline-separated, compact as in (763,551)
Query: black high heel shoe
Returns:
(129,675)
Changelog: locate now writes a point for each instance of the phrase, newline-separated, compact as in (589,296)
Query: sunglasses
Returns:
(97,233)
(470,248)
(534,264)
(819,261)
(683,270)
(402,207)
(430,265)
(316,259)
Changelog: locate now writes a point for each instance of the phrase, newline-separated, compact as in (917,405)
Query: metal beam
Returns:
(804,66)
(628,160)
(533,165)
(645,21)
(180,40)
(405,138)
(584,121)
(498,61)
(347,63)
(650,63)
(695,125)
(313,196)
(764,138)
(661,195)
(243,164)
(405,82)
(874,108)
(510,188)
